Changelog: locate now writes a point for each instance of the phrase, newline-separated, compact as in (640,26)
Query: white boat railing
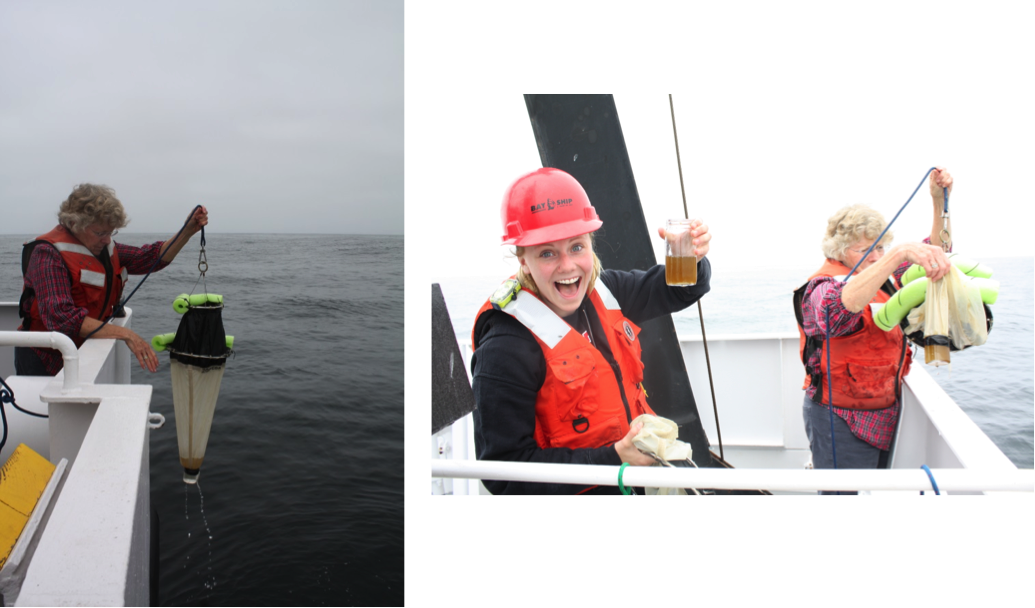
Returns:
(947,480)
(758,386)
(49,339)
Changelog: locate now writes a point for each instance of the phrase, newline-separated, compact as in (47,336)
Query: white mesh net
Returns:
(195,391)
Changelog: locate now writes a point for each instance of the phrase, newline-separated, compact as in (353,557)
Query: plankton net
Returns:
(198,352)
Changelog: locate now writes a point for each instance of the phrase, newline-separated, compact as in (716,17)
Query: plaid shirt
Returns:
(875,427)
(48,276)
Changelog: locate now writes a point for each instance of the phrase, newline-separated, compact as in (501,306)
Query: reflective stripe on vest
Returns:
(539,319)
(92,278)
(72,248)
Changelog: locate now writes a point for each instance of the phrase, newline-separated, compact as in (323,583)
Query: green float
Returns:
(183,302)
(914,290)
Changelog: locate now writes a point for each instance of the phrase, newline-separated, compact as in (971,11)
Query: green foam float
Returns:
(162,341)
(183,302)
(888,316)
(914,293)
(967,267)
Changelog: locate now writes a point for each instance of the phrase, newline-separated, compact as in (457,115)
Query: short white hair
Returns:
(849,226)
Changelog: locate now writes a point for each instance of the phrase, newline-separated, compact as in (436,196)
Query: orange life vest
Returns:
(866,367)
(90,287)
(580,404)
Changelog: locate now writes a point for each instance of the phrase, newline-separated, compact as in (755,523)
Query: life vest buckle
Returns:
(582,422)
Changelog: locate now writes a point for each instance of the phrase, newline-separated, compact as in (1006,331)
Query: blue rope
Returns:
(830,393)
(944,191)
(931,477)
(830,388)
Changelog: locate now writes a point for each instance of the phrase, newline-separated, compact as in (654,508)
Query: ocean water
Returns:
(302,484)
(993,383)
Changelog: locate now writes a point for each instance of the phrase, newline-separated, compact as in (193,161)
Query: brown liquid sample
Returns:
(681,270)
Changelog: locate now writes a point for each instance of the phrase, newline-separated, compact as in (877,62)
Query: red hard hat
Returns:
(545,206)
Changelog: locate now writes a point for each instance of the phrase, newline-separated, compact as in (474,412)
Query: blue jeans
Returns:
(852,452)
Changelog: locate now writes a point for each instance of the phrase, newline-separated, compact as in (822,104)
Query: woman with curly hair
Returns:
(867,364)
(74,276)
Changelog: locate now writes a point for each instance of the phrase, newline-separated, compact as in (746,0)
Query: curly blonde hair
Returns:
(527,282)
(91,204)
(849,226)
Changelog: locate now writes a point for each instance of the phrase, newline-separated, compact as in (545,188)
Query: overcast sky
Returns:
(765,172)
(279,117)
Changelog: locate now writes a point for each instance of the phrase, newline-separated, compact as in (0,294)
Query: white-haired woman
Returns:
(74,276)
(557,369)
(867,364)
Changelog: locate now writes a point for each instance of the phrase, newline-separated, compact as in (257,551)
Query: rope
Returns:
(931,477)
(7,396)
(700,311)
(679,164)
(621,470)
(945,192)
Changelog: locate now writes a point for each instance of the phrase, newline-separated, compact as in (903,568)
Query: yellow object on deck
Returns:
(22,480)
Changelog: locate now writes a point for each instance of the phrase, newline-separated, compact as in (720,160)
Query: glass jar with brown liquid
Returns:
(680,258)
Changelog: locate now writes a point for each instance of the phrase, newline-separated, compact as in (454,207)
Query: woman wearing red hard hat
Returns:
(557,369)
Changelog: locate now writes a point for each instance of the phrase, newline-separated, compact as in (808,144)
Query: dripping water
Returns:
(209,579)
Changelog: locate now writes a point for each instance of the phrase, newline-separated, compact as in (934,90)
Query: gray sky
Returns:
(277,116)
(765,172)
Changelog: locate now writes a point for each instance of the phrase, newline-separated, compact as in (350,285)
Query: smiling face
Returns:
(561,271)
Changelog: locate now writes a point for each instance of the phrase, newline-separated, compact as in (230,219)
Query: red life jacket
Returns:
(580,404)
(866,367)
(90,287)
